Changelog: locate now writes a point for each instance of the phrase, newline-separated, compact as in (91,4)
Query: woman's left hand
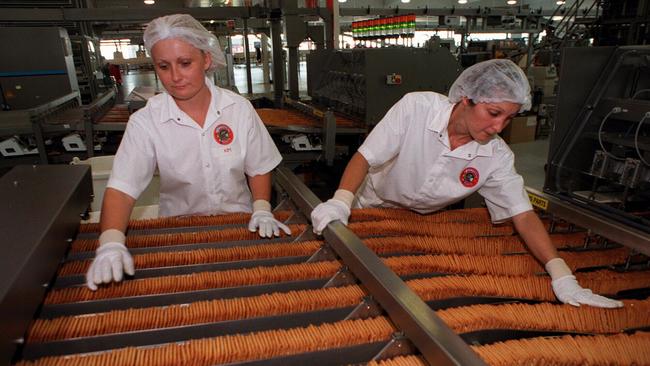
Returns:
(266,225)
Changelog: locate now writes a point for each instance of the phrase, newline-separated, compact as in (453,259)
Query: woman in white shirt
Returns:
(430,151)
(212,150)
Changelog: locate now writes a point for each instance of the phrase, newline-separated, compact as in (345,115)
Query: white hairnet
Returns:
(188,29)
(493,81)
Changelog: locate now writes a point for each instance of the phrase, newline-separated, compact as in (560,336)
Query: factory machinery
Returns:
(599,157)
(42,113)
(365,83)
(392,288)
(61,125)
(305,133)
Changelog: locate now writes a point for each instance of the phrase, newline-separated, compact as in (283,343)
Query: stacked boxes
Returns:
(544,79)
(520,129)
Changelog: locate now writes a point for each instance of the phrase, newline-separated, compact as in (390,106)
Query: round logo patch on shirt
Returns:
(223,135)
(469,177)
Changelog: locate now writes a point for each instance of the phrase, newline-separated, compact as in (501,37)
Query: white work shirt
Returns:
(202,169)
(412,165)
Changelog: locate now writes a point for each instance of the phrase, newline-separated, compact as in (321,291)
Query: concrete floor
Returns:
(530,159)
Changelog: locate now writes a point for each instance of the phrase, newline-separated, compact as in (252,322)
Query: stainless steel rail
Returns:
(438,344)
(597,224)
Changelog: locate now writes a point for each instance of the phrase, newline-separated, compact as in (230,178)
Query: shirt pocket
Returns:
(228,164)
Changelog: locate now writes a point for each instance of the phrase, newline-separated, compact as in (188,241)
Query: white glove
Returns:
(112,259)
(336,208)
(263,221)
(567,289)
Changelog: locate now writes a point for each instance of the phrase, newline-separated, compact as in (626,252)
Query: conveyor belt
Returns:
(288,117)
(207,291)
(117,114)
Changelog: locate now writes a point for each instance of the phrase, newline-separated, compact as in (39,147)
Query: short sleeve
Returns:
(135,160)
(504,191)
(262,155)
(384,141)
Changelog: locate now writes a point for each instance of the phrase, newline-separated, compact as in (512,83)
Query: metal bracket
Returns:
(306,235)
(368,308)
(286,205)
(341,278)
(399,345)
(325,253)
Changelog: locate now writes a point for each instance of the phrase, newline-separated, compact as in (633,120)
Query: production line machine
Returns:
(599,156)
(43,83)
(61,124)
(392,288)
(304,133)
(364,83)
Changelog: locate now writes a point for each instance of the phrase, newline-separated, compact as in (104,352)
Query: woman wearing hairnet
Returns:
(205,141)
(430,151)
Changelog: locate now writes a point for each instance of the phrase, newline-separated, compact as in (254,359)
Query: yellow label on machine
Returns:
(538,201)
(318,113)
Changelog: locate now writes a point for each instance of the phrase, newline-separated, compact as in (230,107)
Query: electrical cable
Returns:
(600,132)
(636,138)
(639,92)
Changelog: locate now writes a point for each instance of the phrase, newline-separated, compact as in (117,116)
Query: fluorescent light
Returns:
(511,2)
(405,1)
(560,2)
(462,1)
(149,2)
(343,1)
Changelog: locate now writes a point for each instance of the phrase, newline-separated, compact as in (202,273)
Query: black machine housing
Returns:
(599,155)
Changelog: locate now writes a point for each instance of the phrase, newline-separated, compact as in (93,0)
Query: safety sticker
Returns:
(223,135)
(469,177)
(538,201)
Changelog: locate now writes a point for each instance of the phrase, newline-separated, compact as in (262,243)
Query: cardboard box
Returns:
(541,83)
(548,90)
(520,129)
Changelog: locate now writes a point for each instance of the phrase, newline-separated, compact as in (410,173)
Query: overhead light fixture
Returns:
(405,1)
(511,2)
(560,2)
(343,1)
(149,2)
(462,1)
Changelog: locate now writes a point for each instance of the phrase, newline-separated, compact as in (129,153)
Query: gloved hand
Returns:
(112,259)
(567,289)
(336,208)
(263,221)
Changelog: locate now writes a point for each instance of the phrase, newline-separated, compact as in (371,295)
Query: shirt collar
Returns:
(473,149)
(439,116)
(218,102)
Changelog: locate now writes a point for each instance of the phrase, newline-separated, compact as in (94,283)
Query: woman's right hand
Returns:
(327,212)
(112,260)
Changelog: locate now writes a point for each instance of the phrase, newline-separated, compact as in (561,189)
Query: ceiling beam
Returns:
(126,14)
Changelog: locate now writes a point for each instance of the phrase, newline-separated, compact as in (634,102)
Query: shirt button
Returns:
(218,113)
(440,135)
(207,165)
(202,133)
(178,118)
